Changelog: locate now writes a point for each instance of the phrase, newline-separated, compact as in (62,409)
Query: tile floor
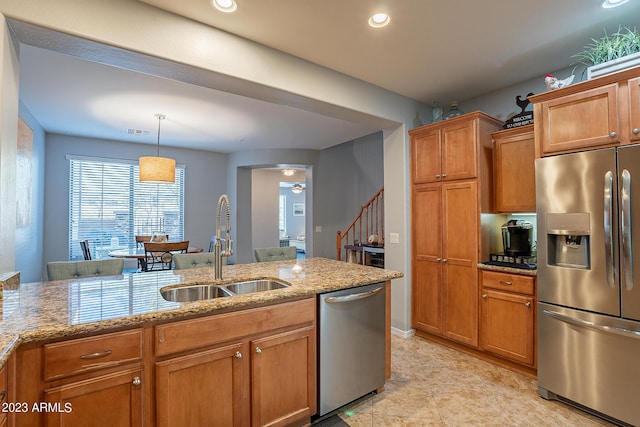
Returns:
(432,385)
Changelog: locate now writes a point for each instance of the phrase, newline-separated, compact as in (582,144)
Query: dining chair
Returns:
(159,256)
(62,270)
(204,259)
(86,252)
(141,239)
(275,254)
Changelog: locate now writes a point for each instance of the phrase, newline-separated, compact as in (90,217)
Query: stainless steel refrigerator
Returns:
(588,213)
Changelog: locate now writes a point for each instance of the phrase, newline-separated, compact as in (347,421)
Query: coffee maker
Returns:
(516,237)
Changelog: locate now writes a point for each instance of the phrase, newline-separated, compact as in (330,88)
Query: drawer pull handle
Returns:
(96,355)
(504,282)
(136,381)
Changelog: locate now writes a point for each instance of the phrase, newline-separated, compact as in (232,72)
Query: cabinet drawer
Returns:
(87,354)
(508,282)
(196,333)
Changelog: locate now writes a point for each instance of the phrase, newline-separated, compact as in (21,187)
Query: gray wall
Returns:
(205,181)
(348,176)
(29,239)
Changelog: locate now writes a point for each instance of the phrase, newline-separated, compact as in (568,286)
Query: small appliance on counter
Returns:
(516,240)
(516,237)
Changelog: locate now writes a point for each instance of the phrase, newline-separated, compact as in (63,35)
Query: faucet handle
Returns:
(229,249)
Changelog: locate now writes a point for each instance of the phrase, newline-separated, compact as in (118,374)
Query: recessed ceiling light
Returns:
(225,5)
(379,20)
(608,4)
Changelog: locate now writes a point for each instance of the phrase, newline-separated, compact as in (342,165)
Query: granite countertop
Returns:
(510,270)
(48,310)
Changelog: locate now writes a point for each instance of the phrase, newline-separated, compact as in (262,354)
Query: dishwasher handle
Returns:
(353,297)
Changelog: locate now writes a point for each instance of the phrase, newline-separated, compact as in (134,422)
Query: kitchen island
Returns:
(44,323)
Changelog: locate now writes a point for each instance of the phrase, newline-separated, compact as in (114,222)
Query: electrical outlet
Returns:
(394,238)
(318,229)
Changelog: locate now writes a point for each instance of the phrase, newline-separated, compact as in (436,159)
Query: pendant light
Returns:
(297,188)
(156,169)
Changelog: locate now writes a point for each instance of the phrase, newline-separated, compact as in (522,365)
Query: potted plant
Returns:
(611,53)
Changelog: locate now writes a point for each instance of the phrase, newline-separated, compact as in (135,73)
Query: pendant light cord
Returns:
(160,118)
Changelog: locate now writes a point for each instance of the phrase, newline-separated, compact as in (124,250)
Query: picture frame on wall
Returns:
(298,209)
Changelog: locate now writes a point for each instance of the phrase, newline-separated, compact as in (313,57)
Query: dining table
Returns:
(140,255)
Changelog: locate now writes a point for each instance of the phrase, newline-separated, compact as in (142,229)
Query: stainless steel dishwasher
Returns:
(352,345)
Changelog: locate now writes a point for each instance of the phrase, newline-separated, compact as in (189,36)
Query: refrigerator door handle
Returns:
(591,325)
(627,244)
(608,229)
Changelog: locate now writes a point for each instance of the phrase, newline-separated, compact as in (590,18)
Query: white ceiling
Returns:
(448,50)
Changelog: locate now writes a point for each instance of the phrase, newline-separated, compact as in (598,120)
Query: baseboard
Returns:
(402,334)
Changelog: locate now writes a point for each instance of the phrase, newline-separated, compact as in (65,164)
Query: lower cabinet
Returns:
(283,378)
(253,367)
(204,388)
(258,368)
(108,400)
(507,323)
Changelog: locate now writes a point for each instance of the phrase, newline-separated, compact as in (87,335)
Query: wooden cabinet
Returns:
(106,400)
(97,381)
(283,378)
(444,153)
(601,112)
(514,170)
(253,367)
(446,228)
(4,392)
(204,388)
(508,308)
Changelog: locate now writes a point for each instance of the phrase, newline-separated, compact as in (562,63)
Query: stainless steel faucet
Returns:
(218,252)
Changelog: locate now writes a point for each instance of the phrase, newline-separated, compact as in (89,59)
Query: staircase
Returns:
(369,221)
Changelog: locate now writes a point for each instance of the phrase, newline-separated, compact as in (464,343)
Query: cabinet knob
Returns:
(238,355)
(613,134)
(258,350)
(444,260)
(528,304)
(444,175)
(438,176)
(136,381)
(438,259)
(484,296)
(636,131)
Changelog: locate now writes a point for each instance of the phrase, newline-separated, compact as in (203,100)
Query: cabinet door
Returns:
(507,325)
(283,378)
(199,389)
(634,109)
(584,120)
(111,400)
(459,151)
(426,156)
(514,172)
(460,258)
(426,307)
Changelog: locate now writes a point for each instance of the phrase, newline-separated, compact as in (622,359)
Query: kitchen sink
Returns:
(203,292)
(194,293)
(255,286)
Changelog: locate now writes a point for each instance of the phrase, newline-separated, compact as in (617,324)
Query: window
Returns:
(109,206)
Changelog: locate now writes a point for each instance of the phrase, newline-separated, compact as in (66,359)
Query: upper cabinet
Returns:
(514,170)
(597,113)
(449,150)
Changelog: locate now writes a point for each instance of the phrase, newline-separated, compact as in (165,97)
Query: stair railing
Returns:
(369,221)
